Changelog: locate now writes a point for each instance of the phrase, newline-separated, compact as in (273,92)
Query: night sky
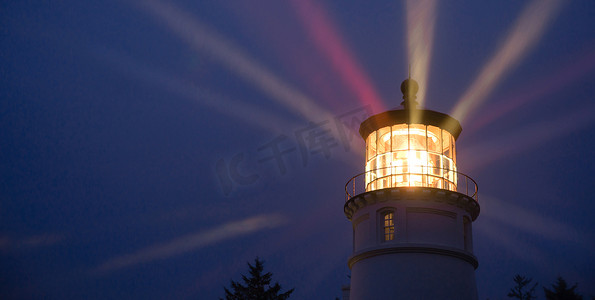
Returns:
(150,149)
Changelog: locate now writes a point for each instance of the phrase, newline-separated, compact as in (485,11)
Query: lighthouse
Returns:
(411,209)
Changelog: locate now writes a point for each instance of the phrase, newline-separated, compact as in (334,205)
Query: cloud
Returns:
(192,242)
(30,242)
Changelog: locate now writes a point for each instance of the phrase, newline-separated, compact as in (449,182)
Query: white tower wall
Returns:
(412,276)
(430,255)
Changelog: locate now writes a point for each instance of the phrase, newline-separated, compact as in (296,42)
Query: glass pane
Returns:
(417,137)
(454,150)
(446,147)
(399,163)
(388,218)
(371,165)
(371,186)
(382,183)
(384,140)
(446,164)
(370,175)
(389,227)
(435,182)
(434,139)
(371,146)
(434,164)
(418,161)
(401,180)
(400,137)
(383,164)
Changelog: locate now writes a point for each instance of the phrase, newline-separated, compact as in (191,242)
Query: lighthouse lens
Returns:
(410,155)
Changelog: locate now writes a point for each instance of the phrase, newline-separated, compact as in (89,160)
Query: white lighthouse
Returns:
(411,210)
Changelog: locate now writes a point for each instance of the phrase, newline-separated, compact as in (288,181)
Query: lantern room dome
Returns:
(410,114)
(416,116)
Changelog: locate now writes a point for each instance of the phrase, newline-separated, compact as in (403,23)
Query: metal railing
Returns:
(458,182)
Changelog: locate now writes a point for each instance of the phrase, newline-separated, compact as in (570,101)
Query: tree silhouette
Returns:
(560,291)
(519,290)
(257,286)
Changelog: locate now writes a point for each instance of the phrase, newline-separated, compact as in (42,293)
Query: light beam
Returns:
(535,91)
(192,242)
(240,110)
(526,32)
(329,42)
(223,51)
(525,138)
(420,18)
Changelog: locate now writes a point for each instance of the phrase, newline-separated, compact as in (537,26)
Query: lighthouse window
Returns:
(389,226)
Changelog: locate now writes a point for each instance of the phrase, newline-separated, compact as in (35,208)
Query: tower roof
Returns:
(410,115)
(416,116)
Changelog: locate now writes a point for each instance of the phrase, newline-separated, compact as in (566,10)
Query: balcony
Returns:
(412,177)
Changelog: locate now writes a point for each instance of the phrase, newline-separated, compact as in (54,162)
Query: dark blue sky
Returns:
(138,139)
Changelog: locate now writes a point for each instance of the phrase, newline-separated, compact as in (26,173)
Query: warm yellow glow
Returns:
(389,226)
(410,155)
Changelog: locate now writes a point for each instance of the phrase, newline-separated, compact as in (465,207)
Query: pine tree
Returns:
(560,291)
(519,290)
(257,286)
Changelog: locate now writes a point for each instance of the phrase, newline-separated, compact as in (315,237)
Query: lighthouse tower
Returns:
(411,210)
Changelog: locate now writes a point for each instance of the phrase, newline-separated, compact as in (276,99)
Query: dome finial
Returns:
(409,87)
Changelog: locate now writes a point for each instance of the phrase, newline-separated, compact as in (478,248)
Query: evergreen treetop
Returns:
(560,291)
(519,290)
(257,286)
